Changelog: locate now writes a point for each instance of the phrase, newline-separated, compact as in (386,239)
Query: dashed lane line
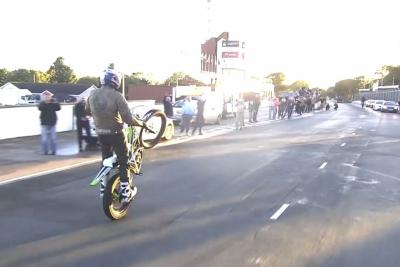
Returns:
(279,212)
(323,165)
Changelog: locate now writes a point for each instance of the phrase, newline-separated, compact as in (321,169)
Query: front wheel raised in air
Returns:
(112,206)
(156,121)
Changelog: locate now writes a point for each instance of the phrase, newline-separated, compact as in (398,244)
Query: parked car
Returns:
(369,103)
(377,105)
(390,106)
(140,111)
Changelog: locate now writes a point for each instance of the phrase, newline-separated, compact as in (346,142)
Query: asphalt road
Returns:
(317,191)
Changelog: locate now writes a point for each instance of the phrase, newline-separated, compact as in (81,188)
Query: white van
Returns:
(213,108)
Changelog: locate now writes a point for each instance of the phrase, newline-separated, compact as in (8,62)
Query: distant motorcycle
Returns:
(327,107)
(109,175)
(336,106)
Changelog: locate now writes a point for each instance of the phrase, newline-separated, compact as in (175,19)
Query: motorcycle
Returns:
(109,175)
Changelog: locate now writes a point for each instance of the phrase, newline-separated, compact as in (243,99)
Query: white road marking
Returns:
(323,165)
(342,145)
(372,130)
(373,172)
(279,212)
(353,133)
(49,171)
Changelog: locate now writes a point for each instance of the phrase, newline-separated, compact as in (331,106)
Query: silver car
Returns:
(390,106)
(377,105)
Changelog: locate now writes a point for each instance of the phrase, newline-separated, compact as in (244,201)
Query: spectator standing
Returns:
(256,106)
(290,106)
(270,108)
(48,121)
(362,101)
(276,107)
(82,122)
(168,109)
(239,114)
(187,115)
(199,122)
(251,108)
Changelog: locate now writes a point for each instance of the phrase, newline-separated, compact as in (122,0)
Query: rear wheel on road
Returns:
(112,206)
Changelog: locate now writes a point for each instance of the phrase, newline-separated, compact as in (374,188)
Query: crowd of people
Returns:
(281,107)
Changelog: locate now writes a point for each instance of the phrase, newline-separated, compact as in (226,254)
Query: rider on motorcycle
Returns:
(110,111)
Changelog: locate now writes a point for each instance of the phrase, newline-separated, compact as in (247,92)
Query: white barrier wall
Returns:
(25,121)
(18,121)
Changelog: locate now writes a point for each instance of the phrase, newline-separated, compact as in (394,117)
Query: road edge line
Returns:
(25,177)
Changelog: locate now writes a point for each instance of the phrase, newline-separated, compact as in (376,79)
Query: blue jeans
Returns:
(186,120)
(48,136)
(271,113)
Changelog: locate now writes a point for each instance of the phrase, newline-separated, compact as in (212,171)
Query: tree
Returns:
(61,73)
(298,85)
(364,82)
(21,75)
(180,78)
(135,79)
(281,88)
(41,77)
(88,80)
(331,92)
(347,88)
(3,76)
(393,75)
(277,78)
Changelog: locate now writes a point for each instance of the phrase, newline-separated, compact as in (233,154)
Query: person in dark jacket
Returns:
(290,106)
(82,122)
(199,122)
(48,121)
(168,109)
(256,106)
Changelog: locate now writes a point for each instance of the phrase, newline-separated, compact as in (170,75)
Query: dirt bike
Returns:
(138,139)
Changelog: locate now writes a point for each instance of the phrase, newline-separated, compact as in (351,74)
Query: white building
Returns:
(12,95)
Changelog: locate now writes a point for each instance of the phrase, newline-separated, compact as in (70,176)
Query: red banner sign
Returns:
(230,54)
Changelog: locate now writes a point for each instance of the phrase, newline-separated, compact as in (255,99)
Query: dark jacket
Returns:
(109,110)
(48,114)
(200,111)
(168,109)
(80,110)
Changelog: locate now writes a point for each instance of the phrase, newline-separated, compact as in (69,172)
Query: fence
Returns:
(24,120)
(19,121)
(392,95)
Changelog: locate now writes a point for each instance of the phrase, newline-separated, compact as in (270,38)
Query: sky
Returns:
(320,41)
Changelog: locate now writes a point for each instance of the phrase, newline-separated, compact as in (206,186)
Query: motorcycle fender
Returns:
(102,173)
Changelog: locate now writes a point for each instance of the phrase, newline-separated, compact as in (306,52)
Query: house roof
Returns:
(61,91)
(9,86)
